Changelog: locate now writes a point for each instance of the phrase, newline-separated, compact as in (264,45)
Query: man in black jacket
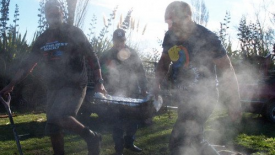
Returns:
(123,75)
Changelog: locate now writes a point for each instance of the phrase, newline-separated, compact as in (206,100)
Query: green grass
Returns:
(153,139)
(252,135)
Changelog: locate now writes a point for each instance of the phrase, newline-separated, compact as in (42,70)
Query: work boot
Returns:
(94,144)
(93,141)
(119,145)
(129,144)
(133,148)
(118,153)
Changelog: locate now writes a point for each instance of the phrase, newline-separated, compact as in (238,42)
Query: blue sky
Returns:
(150,13)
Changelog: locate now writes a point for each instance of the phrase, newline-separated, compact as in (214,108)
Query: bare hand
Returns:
(6,90)
(156,91)
(6,100)
(144,93)
(100,88)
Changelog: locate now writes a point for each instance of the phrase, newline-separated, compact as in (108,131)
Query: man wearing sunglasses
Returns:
(200,66)
(63,50)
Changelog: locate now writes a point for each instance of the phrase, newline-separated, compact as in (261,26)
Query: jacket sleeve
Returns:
(103,64)
(140,72)
(84,46)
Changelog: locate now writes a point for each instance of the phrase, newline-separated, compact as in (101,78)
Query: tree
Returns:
(200,12)
(75,10)
(13,45)
(71,11)
(42,24)
(101,43)
(254,40)
(264,19)
(3,22)
(225,37)
(223,29)
(267,7)
(80,12)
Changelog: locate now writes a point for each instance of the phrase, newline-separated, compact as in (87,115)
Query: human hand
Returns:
(100,88)
(144,93)
(6,90)
(155,91)
(6,100)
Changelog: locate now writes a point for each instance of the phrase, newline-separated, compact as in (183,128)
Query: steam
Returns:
(126,75)
(202,101)
(123,54)
(196,95)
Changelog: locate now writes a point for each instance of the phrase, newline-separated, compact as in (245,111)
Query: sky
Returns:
(151,14)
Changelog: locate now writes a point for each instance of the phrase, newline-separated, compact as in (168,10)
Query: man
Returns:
(198,58)
(63,49)
(124,75)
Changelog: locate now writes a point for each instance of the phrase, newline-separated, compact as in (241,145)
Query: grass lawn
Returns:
(153,139)
(252,135)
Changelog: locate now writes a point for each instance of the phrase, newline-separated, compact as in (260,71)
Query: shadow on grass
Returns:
(253,124)
(222,131)
(24,130)
(153,139)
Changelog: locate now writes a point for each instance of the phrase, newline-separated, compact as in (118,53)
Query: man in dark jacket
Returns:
(63,49)
(123,75)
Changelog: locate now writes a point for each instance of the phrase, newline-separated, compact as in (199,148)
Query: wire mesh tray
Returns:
(122,106)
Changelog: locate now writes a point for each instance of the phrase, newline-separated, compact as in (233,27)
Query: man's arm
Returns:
(84,45)
(94,64)
(20,75)
(228,87)
(25,68)
(161,71)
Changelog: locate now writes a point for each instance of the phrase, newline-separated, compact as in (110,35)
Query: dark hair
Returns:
(119,34)
(179,9)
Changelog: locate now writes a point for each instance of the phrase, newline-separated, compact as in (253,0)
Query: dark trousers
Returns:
(121,125)
(187,134)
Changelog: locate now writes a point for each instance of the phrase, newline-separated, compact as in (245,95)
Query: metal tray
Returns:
(121,106)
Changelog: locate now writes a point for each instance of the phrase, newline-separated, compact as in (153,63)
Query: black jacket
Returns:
(123,77)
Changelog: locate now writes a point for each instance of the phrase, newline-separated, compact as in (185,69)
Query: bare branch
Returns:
(200,12)
(80,12)
(71,10)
